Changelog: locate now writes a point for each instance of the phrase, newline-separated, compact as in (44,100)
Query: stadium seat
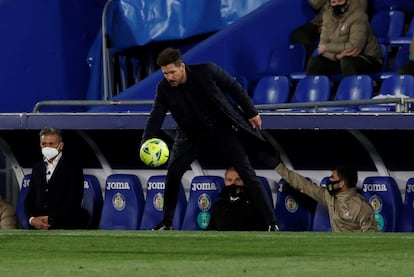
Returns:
(402,56)
(271,90)
(387,24)
(394,86)
(405,38)
(383,194)
(92,200)
(356,87)
(321,221)
(204,192)
(20,211)
(294,210)
(311,89)
(154,204)
(267,187)
(123,203)
(287,60)
(406,220)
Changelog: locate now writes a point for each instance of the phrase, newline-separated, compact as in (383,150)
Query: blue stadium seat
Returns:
(383,194)
(123,203)
(92,200)
(154,204)
(204,192)
(267,187)
(20,211)
(395,85)
(321,221)
(405,38)
(356,87)
(271,90)
(401,57)
(406,220)
(294,210)
(311,89)
(387,24)
(284,61)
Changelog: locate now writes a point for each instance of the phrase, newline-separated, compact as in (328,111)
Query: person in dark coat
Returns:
(211,109)
(235,210)
(56,187)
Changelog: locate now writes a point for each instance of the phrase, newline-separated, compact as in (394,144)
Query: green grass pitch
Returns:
(194,253)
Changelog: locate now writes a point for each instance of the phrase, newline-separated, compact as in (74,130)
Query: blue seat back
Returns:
(123,203)
(321,221)
(406,220)
(271,90)
(312,89)
(294,210)
(355,87)
(286,60)
(204,193)
(398,85)
(383,194)
(92,200)
(20,211)
(267,187)
(154,204)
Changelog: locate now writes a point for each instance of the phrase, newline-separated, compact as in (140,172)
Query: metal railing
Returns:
(402,104)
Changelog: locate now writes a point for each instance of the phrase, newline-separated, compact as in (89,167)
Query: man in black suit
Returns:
(211,109)
(56,187)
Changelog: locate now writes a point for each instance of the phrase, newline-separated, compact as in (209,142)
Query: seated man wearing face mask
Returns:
(235,209)
(348,210)
(56,187)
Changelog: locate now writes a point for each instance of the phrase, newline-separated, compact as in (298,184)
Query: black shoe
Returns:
(273,228)
(162,227)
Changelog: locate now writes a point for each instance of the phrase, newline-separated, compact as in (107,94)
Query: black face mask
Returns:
(330,187)
(340,9)
(234,192)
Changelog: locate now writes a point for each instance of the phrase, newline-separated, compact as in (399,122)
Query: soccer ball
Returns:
(154,152)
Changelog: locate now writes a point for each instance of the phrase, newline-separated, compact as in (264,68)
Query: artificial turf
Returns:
(198,253)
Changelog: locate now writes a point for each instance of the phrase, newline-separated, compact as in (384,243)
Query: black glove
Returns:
(270,159)
(271,156)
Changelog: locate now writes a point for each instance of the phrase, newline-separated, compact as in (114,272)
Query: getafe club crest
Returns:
(291,204)
(118,201)
(204,202)
(158,201)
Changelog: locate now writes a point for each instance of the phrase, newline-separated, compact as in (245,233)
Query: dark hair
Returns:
(168,56)
(349,174)
(51,131)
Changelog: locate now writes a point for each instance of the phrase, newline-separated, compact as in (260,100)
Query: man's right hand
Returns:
(40,222)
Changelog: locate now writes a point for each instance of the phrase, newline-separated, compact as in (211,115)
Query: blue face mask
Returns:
(340,9)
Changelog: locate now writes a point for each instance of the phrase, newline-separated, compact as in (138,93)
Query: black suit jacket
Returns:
(210,95)
(60,198)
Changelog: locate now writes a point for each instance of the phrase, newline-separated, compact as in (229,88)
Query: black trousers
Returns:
(229,146)
(319,65)
(308,35)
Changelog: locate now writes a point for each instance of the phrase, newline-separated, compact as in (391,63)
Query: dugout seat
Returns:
(321,221)
(406,220)
(294,210)
(123,203)
(204,193)
(20,211)
(383,194)
(267,187)
(92,200)
(154,204)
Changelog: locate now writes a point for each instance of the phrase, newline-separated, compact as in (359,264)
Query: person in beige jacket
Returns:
(347,43)
(7,216)
(348,210)
(408,68)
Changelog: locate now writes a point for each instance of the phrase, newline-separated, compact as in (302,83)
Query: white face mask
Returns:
(49,152)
